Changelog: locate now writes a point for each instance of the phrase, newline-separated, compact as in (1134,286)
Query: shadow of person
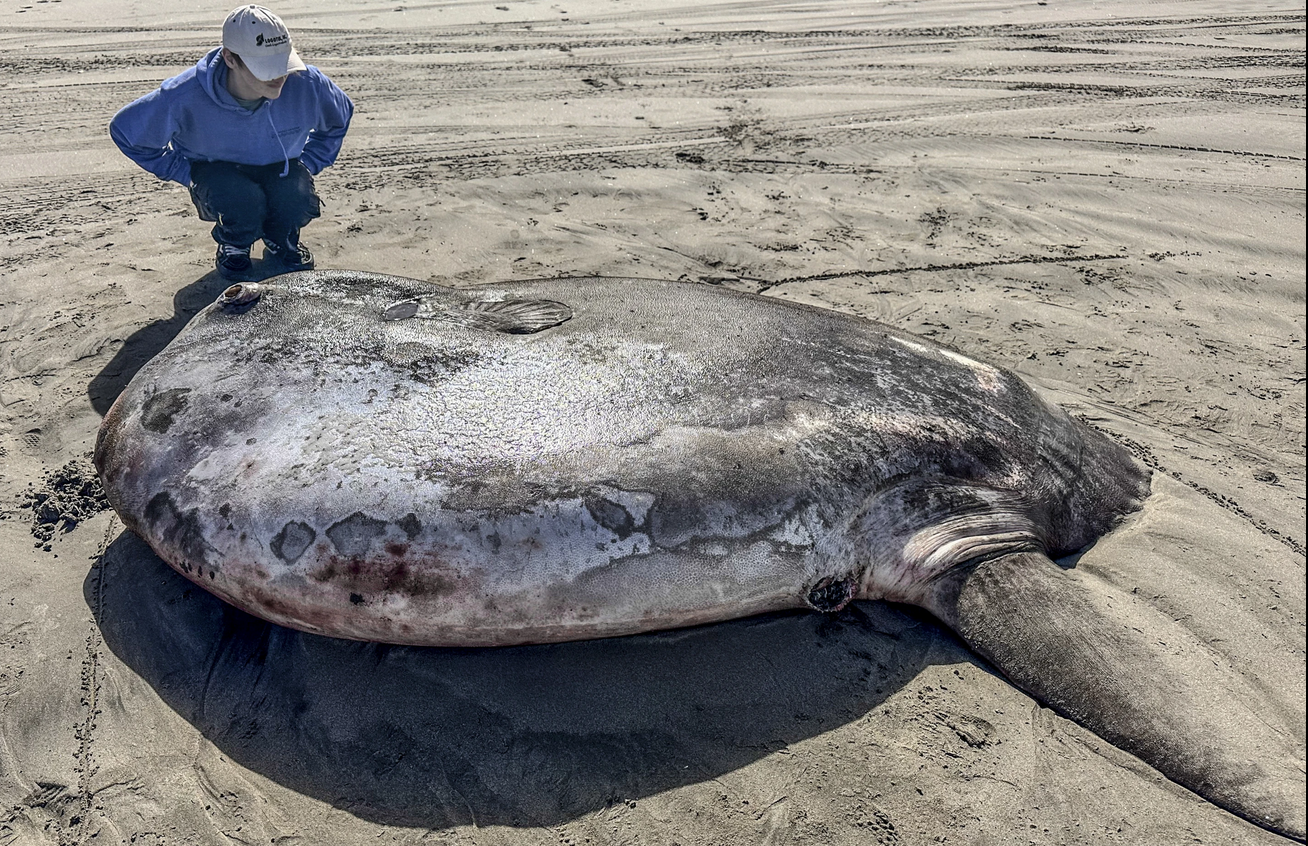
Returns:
(146,342)
(517,736)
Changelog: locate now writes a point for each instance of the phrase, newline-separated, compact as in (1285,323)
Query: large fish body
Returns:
(671,454)
(378,458)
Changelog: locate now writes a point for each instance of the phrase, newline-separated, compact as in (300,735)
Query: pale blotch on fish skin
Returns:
(988,378)
(920,349)
(797,530)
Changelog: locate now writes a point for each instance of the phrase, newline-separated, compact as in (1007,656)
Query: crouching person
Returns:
(246,130)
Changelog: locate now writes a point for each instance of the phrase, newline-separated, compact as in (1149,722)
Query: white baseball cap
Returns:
(261,40)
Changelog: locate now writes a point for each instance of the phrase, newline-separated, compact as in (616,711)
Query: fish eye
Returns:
(240,294)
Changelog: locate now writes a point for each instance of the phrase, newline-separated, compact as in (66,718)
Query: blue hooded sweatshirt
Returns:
(193,117)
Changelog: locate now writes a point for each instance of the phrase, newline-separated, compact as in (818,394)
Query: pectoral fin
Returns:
(514,317)
(1132,676)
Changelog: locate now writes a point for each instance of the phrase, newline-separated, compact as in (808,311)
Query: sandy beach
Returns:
(1107,198)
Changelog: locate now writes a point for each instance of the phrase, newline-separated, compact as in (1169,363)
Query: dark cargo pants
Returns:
(249,202)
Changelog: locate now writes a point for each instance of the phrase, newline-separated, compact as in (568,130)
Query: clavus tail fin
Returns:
(1132,676)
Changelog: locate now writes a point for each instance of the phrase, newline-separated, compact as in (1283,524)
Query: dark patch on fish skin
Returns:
(941,499)
(158,411)
(611,516)
(181,531)
(355,534)
(831,594)
(978,457)
(355,599)
(410,525)
(325,573)
(398,577)
(291,542)
(676,517)
(440,365)
(397,549)
(403,575)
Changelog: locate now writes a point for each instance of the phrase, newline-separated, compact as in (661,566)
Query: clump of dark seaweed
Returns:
(64,498)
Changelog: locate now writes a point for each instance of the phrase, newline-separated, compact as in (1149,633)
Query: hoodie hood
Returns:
(211,73)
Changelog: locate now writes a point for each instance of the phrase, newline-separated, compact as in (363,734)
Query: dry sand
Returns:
(1107,197)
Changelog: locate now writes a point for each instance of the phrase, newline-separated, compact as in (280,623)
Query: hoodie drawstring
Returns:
(286,160)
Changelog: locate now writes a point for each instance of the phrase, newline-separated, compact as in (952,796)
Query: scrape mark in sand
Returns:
(66,812)
(1182,147)
(967,265)
(85,768)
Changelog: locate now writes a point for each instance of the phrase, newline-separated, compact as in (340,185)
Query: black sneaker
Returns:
(288,259)
(232,262)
